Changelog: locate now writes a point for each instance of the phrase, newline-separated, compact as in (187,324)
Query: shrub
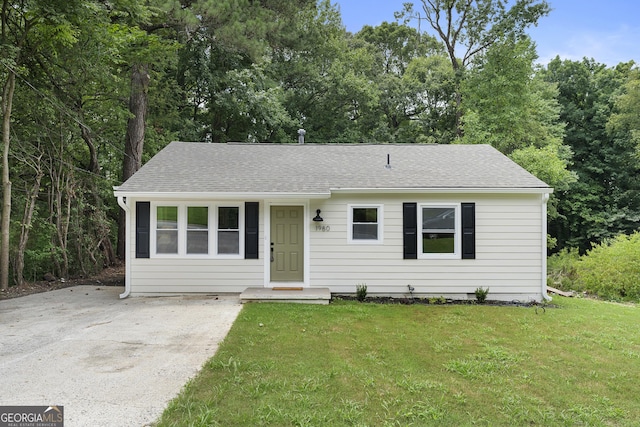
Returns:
(611,270)
(562,269)
(481,294)
(361,292)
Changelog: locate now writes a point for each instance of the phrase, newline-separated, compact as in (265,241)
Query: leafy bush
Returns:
(437,300)
(611,270)
(562,269)
(361,292)
(481,294)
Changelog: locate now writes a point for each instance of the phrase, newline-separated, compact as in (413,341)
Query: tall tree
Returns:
(432,80)
(605,200)
(28,28)
(469,27)
(508,106)
(148,46)
(625,118)
(230,91)
(505,104)
(402,73)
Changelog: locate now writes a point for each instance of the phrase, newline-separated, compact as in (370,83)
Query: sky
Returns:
(605,30)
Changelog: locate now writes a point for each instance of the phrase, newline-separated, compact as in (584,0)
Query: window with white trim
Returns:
(228,230)
(191,230)
(439,231)
(365,223)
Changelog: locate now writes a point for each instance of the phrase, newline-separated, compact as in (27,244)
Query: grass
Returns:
(354,364)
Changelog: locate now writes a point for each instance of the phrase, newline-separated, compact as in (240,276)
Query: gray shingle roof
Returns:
(317,168)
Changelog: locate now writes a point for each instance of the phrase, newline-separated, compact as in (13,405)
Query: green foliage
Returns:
(508,108)
(474,26)
(605,199)
(41,254)
(516,112)
(562,269)
(257,71)
(481,294)
(549,163)
(361,292)
(611,269)
(433,83)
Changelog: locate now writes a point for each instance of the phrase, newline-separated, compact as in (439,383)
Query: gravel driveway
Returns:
(107,361)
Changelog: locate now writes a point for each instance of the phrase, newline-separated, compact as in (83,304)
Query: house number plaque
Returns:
(322,228)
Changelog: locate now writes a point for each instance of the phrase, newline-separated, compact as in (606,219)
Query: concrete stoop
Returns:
(285,294)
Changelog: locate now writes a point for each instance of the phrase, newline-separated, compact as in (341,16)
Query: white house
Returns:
(441,219)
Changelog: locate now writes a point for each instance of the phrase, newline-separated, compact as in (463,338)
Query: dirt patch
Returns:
(111,276)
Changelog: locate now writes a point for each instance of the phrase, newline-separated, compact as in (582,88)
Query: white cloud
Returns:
(607,47)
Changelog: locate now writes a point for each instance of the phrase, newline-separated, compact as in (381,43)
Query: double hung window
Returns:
(365,224)
(228,230)
(440,231)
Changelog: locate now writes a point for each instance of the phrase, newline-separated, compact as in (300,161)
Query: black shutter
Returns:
(410,230)
(468,230)
(251,217)
(143,221)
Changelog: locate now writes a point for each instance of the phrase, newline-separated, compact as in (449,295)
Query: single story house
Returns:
(439,220)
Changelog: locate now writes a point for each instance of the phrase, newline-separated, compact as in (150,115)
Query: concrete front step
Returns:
(284,294)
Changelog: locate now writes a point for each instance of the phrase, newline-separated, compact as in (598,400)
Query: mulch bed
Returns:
(443,301)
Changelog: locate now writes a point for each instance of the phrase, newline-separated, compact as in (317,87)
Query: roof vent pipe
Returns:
(388,165)
(301,133)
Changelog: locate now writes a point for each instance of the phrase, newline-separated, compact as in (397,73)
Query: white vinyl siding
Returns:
(508,250)
(204,274)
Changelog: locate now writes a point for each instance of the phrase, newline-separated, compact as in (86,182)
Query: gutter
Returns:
(127,253)
(447,190)
(543,279)
(204,195)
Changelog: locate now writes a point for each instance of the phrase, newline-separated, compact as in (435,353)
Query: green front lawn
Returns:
(368,364)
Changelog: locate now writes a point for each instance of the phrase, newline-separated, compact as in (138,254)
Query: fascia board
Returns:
(217,195)
(449,190)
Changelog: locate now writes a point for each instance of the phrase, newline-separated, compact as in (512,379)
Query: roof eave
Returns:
(440,190)
(165,195)
(168,195)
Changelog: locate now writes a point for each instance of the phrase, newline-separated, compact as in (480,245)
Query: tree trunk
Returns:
(62,193)
(134,141)
(7,102)
(93,153)
(29,207)
(94,168)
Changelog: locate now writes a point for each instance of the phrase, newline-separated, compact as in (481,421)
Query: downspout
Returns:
(543,279)
(127,253)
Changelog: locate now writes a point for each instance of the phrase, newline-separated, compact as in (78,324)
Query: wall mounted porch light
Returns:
(318,218)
